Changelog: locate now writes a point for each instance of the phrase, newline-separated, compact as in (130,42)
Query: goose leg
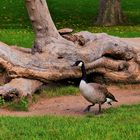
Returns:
(87,109)
(109,103)
(99,111)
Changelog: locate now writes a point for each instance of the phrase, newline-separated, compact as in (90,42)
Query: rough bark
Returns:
(101,53)
(43,26)
(110,13)
(115,59)
(19,87)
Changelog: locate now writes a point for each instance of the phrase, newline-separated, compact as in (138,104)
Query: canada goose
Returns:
(93,92)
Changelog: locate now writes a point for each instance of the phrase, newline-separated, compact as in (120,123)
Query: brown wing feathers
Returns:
(104,90)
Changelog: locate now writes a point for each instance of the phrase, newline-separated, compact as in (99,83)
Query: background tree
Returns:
(110,13)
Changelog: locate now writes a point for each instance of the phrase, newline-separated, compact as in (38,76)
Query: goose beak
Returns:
(73,65)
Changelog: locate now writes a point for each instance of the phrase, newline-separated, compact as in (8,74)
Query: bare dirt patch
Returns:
(74,105)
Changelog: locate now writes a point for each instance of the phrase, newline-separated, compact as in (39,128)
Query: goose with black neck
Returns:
(93,92)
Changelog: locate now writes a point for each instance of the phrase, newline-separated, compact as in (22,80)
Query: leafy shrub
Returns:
(19,105)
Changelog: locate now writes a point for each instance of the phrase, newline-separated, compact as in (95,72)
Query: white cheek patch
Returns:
(80,64)
(108,100)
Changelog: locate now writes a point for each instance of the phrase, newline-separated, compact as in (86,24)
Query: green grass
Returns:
(13,14)
(115,124)
(60,91)
(18,105)
(2,101)
(73,13)
(47,92)
(25,37)
(19,37)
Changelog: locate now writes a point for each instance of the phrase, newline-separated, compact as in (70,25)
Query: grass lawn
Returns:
(19,37)
(73,13)
(121,123)
(25,37)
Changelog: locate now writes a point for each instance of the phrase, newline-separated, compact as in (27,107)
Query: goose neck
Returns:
(83,73)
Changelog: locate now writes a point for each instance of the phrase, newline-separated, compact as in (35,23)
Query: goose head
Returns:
(78,63)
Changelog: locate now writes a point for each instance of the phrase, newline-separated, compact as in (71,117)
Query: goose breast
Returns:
(91,92)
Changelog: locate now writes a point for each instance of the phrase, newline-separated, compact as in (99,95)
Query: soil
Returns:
(74,105)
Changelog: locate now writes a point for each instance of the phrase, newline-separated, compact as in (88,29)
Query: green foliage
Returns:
(115,124)
(2,101)
(19,105)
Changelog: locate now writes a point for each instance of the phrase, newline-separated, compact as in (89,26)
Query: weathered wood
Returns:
(65,31)
(115,59)
(20,87)
(43,26)
(99,51)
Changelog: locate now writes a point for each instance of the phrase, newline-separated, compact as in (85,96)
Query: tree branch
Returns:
(20,87)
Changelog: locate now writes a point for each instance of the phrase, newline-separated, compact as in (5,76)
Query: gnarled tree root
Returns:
(19,87)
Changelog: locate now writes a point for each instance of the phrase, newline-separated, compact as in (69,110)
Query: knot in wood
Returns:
(129,55)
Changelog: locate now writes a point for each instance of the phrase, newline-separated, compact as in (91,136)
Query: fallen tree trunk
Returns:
(52,55)
(99,51)
(110,56)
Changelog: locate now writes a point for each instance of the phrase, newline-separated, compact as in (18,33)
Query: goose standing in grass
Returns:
(93,92)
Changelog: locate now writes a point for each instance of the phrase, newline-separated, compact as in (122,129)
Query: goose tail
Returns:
(112,97)
(115,100)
